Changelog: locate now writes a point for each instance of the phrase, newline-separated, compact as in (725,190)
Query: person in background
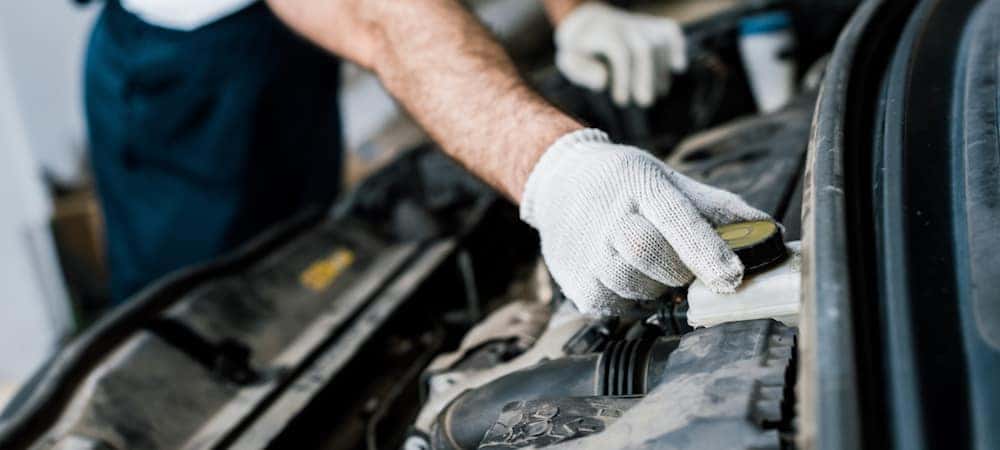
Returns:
(210,120)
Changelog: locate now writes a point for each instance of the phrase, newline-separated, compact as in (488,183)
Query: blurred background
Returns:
(44,185)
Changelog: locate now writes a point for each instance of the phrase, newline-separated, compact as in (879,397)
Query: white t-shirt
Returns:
(183,14)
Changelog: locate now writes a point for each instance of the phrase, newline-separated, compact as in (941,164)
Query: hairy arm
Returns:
(444,67)
(557,10)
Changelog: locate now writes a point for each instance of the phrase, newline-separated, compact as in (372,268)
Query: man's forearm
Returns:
(447,70)
(449,73)
(557,10)
(616,224)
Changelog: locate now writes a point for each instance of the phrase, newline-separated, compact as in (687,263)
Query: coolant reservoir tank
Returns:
(771,283)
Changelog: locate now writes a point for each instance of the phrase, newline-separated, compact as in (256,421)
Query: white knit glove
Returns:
(641,50)
(618,225)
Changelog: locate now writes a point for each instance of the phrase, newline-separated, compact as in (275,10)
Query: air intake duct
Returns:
(625,368)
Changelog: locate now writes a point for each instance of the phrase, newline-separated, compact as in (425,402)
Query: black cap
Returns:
(758,243)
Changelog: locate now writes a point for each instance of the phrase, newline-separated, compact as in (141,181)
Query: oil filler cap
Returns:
(758,243)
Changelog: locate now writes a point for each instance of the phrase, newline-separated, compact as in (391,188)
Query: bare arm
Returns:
(616,224)
(448,72)
(558,9)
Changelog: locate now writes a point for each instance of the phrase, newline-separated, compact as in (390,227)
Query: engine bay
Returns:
(602,383)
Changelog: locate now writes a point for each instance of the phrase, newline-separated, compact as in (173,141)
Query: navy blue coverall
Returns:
(201,139)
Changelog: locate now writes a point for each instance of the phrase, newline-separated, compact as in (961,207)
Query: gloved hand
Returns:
(639,49)
(618,226)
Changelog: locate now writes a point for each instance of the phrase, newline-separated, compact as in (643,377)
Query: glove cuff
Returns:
(553,163)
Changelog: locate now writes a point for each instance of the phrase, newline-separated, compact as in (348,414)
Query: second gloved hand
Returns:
(618,226)
(640,51)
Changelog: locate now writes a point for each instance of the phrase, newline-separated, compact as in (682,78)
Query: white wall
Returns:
(44,43)
(33,312)
(41,124)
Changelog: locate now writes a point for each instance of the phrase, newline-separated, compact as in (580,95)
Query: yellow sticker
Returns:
(320,274)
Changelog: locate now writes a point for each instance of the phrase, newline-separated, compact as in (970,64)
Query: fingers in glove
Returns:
(619,57)
(693,238)
(583,70)
(640,245)
(662,76)
(665,52)
(597,300)
(718,206)
(725,208)
(643,70)
(626,281)
(668,35)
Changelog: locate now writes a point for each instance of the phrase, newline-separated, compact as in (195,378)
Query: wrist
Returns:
(543,134)
(555,161)
(557,10)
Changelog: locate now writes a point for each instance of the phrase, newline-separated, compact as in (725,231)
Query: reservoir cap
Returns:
(758,243)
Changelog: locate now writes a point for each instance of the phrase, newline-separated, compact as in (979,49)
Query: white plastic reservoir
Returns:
(773,294)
